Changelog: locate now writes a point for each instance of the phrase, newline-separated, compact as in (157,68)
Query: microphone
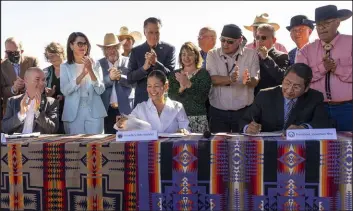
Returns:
(207,134)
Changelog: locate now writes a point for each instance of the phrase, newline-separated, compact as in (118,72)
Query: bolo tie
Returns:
(327,48)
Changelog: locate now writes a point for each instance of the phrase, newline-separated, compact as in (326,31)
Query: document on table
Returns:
(265,134)
(171,135)
(19,135)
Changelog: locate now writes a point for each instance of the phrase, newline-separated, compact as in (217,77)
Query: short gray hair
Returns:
(31,70)
(267,27)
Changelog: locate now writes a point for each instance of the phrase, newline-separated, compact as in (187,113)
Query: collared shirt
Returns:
(278,46)
(17,68)
(28,117)
(237,95)
(172,118)
(341,80)
(113,96)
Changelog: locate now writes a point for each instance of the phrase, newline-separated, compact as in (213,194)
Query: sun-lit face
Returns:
(206,39)
(293,86)
(152,33)
(300,34)
(35,82)
(79,47)
(327,29)
(54,58)
(129,43)
(156,89)
(112,53)
(188,58)
(230,45)
(264,38)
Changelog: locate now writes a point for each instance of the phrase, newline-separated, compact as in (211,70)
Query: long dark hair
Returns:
(71,40)
(158,74)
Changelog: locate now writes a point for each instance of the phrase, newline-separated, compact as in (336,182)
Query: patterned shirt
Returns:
(194,98)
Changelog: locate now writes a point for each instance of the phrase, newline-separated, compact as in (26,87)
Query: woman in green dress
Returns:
(190,85)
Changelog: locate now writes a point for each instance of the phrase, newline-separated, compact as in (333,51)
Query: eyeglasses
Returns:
(324,24)
(230,42)
(263,38)
(81,44)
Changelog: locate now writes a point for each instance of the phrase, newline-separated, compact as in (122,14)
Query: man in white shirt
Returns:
(32,111)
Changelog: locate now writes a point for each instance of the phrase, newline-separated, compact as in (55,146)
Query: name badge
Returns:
(312,134)
(3,139)
(139,135)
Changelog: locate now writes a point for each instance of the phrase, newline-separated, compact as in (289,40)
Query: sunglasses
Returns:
(81,44)
(263,38)
(12,52)
(228,41)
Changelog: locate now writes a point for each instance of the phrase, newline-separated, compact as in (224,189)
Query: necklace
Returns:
(190,75)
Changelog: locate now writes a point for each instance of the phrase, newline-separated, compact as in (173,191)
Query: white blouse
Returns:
(172,118)
(85,82)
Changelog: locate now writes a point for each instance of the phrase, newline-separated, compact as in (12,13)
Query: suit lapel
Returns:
(279,105)
(23,67)
(11,72)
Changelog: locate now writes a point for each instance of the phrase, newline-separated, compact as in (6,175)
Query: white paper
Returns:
(264,134)
(19,135)
(3,139)
(171,135)
(133,123)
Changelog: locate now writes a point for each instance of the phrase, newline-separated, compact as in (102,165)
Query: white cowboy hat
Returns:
(110,40)
(263,18)
(124,32)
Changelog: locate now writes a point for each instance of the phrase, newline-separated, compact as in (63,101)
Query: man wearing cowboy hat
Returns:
(300,29)
(263,18)
(130,39)
(330,57)
(151,55)
(234,73)
(118,96)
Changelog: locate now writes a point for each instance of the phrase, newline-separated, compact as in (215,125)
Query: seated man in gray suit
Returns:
(293,105)
(32,111)
(151,55)
(118,96)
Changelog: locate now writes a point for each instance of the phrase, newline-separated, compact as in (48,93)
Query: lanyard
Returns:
(231,69)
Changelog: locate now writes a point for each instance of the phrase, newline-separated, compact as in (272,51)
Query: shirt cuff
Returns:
(12,91)
(245,127)
(95,83)
(21,117)
(307,126)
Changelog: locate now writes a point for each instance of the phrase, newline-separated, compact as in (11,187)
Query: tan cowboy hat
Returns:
(110,40)
(263,18)
(124,32)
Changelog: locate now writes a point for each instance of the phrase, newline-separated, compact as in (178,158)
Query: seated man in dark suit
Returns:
(32,111)
(273,63)
(293,105)
(152,55)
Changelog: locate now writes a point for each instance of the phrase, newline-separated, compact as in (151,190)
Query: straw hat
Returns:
(110,40)
(124,32)
(263,18)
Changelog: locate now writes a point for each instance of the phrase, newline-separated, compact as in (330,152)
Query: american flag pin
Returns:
(161,47)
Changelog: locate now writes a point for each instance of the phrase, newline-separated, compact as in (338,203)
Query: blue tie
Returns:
(16,67)
(291,55)
(289,107)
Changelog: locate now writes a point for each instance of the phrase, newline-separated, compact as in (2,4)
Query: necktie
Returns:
(289,107)
(16,67)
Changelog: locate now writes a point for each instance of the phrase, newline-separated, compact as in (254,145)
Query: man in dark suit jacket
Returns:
(13,69)
(151,55)
(33,111)
(273,63)
(290,106)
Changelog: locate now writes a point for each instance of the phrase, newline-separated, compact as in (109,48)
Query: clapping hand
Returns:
(246,77)
(114,74)
(329,64)
(235,74)
(49,92)
(262,52)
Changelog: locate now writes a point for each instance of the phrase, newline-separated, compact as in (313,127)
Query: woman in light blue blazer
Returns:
(81,82)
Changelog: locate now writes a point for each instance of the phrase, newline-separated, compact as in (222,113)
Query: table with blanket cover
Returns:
(94,172)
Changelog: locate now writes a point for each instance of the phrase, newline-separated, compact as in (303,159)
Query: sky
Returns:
(181,20)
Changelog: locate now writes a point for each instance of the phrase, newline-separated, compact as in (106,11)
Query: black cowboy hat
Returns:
(299,20)
(329,12)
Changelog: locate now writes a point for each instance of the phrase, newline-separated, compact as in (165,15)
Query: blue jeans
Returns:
(342,114)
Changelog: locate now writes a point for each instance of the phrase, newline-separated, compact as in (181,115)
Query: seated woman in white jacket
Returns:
(164,114)
(81,82)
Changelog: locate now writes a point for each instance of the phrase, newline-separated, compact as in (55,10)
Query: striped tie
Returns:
(289,107)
